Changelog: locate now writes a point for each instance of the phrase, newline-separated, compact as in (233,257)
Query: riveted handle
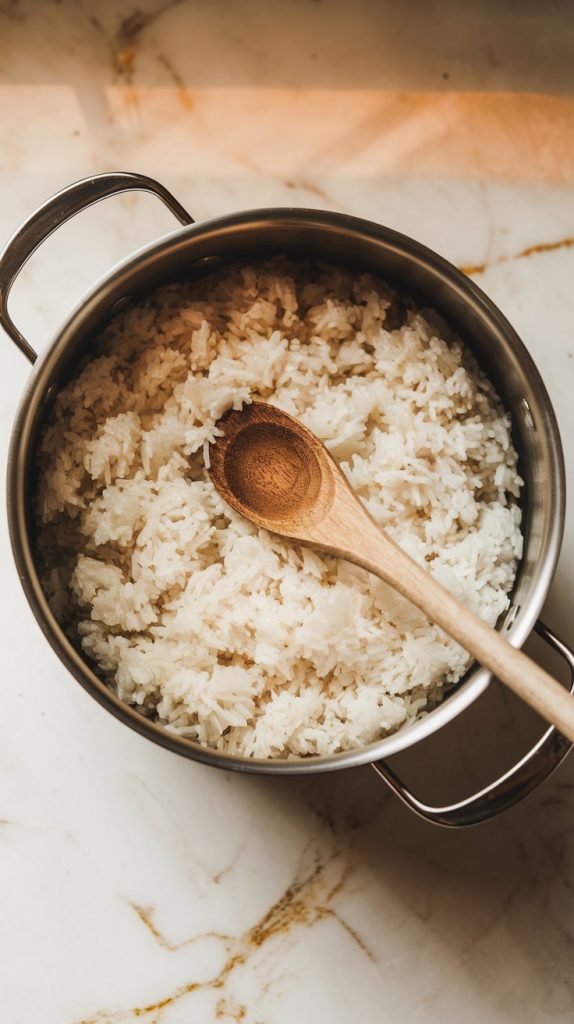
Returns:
(521,779)
(56,211)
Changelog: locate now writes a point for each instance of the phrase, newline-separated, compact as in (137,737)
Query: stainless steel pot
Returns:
(196,248)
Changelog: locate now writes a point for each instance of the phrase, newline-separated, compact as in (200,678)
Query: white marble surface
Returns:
(135,885)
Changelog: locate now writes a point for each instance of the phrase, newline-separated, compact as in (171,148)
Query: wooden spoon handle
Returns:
(358,538)
(511,666)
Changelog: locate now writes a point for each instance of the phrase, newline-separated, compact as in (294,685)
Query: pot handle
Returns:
(56,211)
(521,779)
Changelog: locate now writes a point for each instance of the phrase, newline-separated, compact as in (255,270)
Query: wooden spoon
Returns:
(276,473)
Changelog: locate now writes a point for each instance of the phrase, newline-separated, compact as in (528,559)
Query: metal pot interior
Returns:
(416,272)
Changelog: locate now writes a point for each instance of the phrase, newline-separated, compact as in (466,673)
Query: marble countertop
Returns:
(135,885)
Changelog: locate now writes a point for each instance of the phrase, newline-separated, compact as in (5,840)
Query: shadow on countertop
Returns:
(486,46)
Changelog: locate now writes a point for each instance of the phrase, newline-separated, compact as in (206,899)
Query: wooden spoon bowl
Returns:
(272,470)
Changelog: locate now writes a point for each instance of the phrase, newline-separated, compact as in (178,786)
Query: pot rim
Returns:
(517,628)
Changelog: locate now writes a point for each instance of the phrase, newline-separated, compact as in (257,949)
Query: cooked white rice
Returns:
(223,632)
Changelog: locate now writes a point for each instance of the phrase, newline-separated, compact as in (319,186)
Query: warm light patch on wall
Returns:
(502,136)
(299,133)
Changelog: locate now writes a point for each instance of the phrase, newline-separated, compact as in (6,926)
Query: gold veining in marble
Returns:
(531,250)
(127,36)
(182,92)
(145,915)
(306,901)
